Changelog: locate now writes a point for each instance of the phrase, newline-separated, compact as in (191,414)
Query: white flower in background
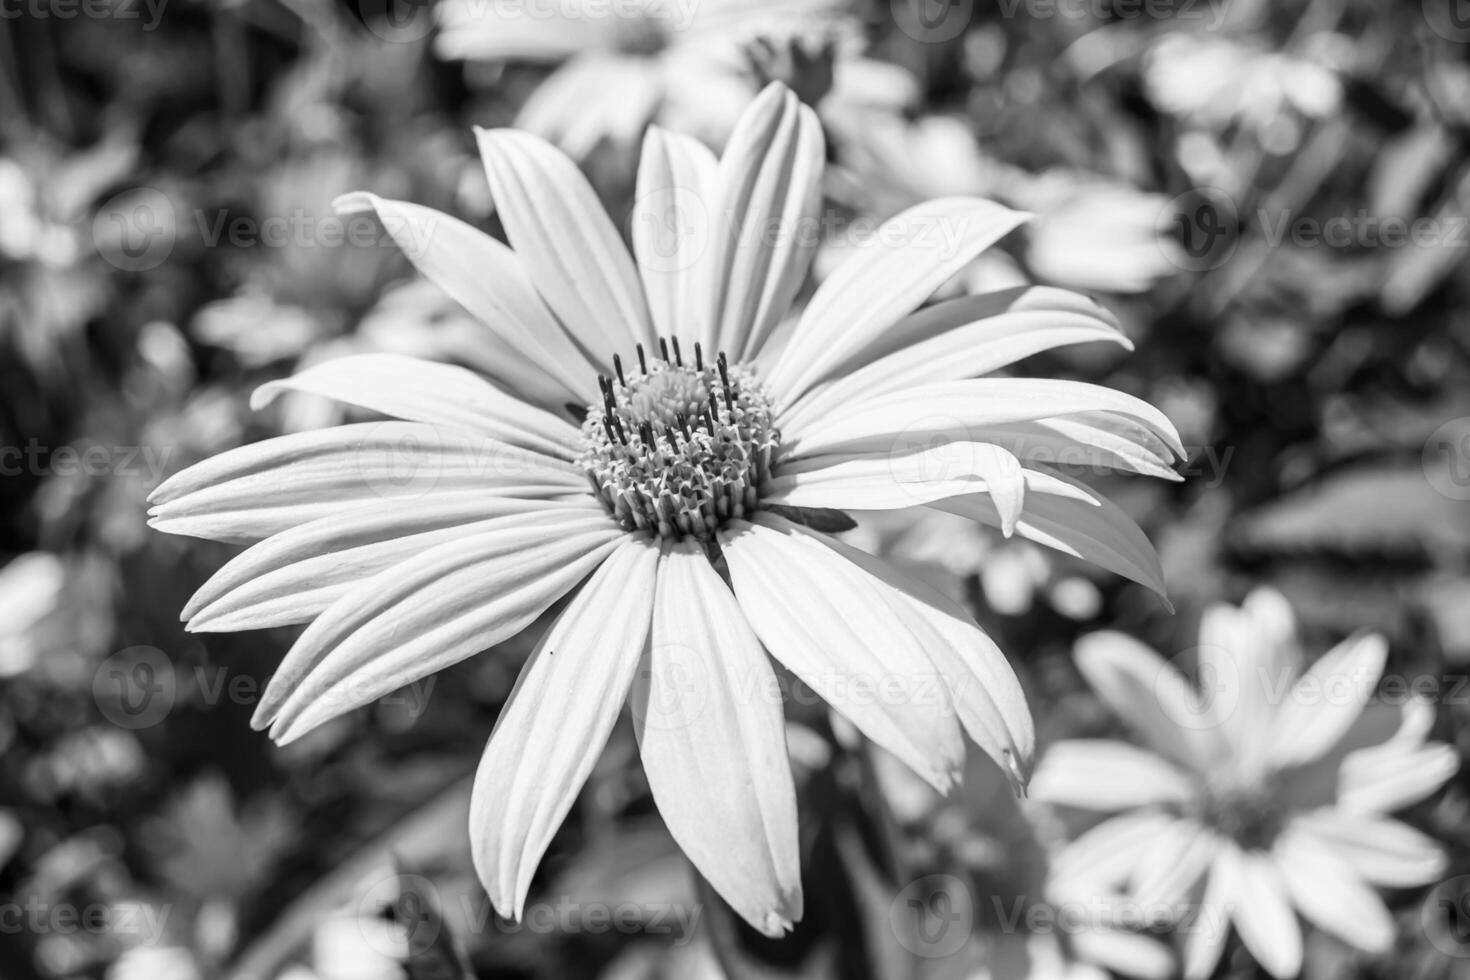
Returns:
(32,591)
(1096,234)
(690,64)
(1213,82)
(411,545)
(1266,797)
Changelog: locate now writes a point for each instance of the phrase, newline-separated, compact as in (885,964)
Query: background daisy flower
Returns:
(691,62)
(1267,795)
(692,427)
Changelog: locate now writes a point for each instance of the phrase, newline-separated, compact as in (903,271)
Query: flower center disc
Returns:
(676,449)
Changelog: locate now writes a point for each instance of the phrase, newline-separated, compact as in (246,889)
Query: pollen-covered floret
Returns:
(678,449)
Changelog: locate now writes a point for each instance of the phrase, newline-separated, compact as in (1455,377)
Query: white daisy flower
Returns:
(1269,796)
(703,426)
(691,64)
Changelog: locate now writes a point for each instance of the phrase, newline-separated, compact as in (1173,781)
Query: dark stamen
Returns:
(698,356)
(684,424)
(663,346)
(642,364)
(645,432)
(618,367)
(669,435)
(608,428)
(678,358)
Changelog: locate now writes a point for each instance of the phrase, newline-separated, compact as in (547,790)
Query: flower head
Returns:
(1264,797)
(685,421)
(618,66)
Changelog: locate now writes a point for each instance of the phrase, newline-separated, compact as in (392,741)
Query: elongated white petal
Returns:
(294,576)
(1128,954)
(672,232)
(1390,777)
(763,233)
(1264,917)
(1168,873)
(1381,851)
(1097,774)
(912,254)
(1330,895)
(1150,696)
(596,97)
(1326,700)
(987,695)
(425,614)
(569,245)
(1106,854)
(501,30)
(909,476)
(557,720)
(830,623)
(931,321)
(489,281)
(1088,444)
(1091,528)
(712,735)
(1207,932)
(266,487)
(961,411)
(438,394)
(969,351)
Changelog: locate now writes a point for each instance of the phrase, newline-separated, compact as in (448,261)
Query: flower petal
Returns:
(596,96)
(1248,662)
(1330,895)
(488,280)
(1098,774)
(425,614)
(909,476)
(569,245)
(961,411)
(1105,855)
(910,257)
(254,491)
(1169,872)
(1382,851)
(986,692)
(831,624)
(503,30)
(712,735)
(1389,777)
(763,237)
(1326,701)
(1149,695)
(557,720)
(1086,525)
(985,336)
(671,232)
(1264,917)
(1207,932)
(438,394)
(294,576)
